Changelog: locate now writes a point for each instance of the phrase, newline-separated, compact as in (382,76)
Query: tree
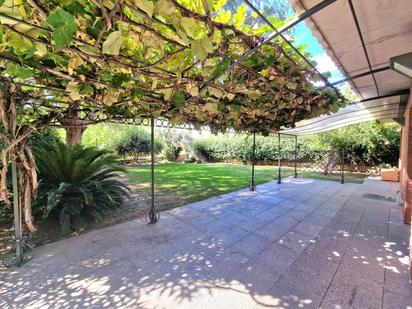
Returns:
(137,144)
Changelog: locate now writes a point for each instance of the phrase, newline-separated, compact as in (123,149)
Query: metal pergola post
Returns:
(252,185)
(296,156)
(17,215)
(342,165)
(279,158)
(153,215)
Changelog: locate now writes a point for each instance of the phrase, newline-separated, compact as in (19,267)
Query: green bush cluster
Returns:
(175,140)
(238,148)
(137,144)
(366,144)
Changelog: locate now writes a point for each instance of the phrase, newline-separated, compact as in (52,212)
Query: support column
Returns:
(342,166)
(252,185)
(296,156)
(153,214)
(17,215)
(279,164)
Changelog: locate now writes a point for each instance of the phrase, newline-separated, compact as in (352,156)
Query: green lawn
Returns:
(193,182)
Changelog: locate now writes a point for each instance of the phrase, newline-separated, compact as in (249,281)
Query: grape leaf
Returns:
(200,48)
(178,99)
(73,89)
(146,6)
(18,71)
(64,27)
(189,25)
(112,44)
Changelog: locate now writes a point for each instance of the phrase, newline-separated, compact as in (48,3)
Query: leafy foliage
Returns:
(370,144)
(137,144)
(160,58)
(107,135)
(77,183)
(175,141)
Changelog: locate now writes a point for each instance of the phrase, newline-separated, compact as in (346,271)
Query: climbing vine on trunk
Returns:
(15,148)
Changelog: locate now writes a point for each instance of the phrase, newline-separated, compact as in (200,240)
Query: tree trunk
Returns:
(74,135)
(74,126)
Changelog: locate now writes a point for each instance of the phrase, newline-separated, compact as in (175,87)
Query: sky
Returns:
(303,36)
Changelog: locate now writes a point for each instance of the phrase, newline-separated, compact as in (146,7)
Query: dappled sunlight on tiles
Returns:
(240,250)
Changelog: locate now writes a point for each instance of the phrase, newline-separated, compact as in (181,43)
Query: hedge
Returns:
(367,144)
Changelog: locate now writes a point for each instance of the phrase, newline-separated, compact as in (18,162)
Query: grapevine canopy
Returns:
(183,60)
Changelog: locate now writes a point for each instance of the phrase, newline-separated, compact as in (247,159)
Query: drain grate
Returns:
(379,197)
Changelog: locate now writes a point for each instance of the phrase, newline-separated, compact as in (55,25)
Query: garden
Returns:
(106,179)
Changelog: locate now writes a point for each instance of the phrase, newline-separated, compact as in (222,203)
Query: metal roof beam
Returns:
(363,43)
(350,78)
(388,95)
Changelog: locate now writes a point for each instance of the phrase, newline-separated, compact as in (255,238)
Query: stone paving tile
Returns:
(302,244)
(348,293)
(298,213)
(307,228)
(316,219)
(304,287)
(393,300)
(250,246)
(275,229)
(279,257)
(258,268)
(295,241)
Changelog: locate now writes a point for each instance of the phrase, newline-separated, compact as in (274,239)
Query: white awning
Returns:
(386,109)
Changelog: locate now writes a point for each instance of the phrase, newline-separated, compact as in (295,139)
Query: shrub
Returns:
(137,144)
(238,148)
(172,153)
(77,183)
(175,140)
(370,143)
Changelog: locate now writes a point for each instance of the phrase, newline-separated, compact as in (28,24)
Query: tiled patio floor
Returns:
(301,244)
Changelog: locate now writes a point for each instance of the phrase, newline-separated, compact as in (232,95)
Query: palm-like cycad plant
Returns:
(78,183)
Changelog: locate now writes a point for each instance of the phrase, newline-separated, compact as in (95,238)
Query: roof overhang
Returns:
(361,36)
(384,109)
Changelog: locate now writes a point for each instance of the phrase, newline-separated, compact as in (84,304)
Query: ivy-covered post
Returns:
(16,152)
(252,185)
(153,215)
(296,156)
(279,165)
(17,214)
(9,122)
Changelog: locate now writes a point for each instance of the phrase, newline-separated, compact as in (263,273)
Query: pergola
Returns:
(227,95)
